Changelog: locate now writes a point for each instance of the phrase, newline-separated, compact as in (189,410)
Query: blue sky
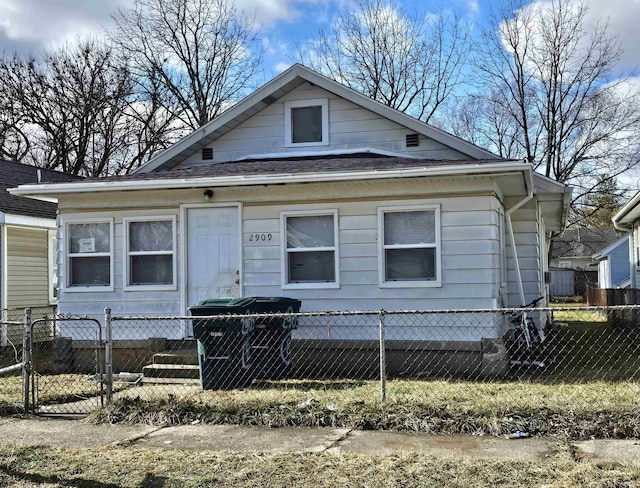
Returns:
(29,25)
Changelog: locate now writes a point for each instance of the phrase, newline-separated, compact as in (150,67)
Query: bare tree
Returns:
(483,121)
(408,62)
(14,138)
(573,115)
(203,53)
(74,109)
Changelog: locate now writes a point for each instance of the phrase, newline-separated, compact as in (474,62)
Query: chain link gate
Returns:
(65,374)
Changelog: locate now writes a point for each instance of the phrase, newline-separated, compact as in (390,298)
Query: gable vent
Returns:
(412,140)
(207,153)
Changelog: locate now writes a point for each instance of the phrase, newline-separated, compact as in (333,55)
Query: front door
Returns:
(213,253)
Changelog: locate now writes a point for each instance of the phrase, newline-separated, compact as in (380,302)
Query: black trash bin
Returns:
(271,338)
(224,343)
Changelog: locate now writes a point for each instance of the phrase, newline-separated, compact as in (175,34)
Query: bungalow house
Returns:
(310,190)
(27,244)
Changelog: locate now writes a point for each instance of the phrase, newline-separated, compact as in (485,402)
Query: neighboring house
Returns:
(27,240)
(613,265)
(572,262)
(575,248)
(628,220)
(311,190)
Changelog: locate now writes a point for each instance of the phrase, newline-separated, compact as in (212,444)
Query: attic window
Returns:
(412,140)
(207,153)
(306,123)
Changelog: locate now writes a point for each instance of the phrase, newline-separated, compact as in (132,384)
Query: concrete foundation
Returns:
(314,358)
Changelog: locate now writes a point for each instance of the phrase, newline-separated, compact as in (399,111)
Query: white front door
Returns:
(213,253)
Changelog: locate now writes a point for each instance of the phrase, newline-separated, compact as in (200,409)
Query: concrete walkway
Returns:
(78,434)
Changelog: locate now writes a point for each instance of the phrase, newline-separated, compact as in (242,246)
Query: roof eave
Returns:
(47,190)
(622,217)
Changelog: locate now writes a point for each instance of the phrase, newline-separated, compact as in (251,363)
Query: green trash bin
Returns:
(232,351)
(271,339)
(224,343)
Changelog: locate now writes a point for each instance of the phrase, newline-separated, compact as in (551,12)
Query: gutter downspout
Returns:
(513,239)
(632,245)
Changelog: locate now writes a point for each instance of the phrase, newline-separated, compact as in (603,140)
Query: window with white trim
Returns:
(310,244)
(306,123)
(409,240)
(150,252)
(89,253)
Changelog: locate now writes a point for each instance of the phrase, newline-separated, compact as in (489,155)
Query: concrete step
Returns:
(176,357)
(170,381)
(180,371)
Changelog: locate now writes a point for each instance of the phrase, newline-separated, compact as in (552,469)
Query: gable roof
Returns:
(274,90)
(609,249)
(583,243)
(13,174)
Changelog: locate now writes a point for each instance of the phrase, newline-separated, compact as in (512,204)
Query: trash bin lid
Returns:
(222,302)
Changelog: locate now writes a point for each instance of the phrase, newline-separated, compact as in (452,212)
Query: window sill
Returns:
(150,288)
(410,284)
(306,144)
(310,286)
(87,289)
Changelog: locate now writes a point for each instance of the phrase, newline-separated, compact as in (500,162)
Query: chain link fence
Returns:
(86,363)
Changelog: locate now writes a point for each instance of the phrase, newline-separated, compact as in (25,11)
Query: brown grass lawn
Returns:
(129,467)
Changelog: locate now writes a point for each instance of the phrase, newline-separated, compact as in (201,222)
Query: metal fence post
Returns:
(383,361)
(108,354)
(3,327)
(26,358)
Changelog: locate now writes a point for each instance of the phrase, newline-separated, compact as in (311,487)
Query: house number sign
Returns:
(260,237)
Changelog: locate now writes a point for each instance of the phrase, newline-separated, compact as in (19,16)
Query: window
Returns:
(150,253)
(409,239)
(90,254)
(310,244)
(306,123)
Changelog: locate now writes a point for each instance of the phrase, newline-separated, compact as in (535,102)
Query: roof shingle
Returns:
(13,174)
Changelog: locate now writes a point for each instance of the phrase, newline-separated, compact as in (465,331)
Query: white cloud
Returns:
(268,12)
(473,6)
(280,67)
(42,22)
(622,17)
(33,24)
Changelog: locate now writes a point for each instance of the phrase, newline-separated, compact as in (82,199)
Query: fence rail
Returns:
(87,363)
(610,297)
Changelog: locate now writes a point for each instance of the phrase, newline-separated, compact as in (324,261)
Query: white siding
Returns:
(525,230)
(350,127)
(470,245)
(604,278)
(469,257)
